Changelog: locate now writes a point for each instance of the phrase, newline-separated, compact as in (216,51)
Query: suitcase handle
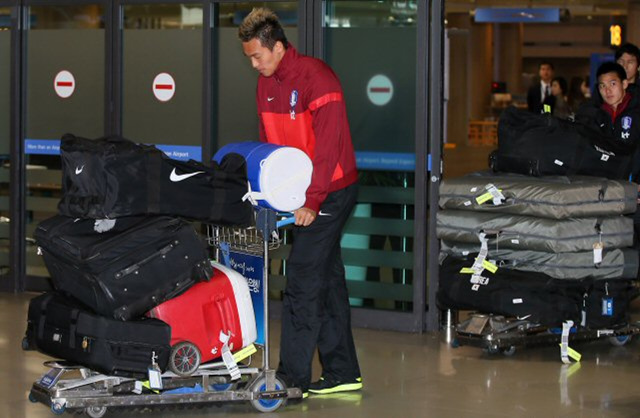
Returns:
(135,267)
(224,309)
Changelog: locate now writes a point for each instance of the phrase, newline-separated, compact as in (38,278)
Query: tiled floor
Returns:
(405,375)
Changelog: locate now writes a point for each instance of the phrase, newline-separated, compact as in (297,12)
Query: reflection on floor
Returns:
(405,375)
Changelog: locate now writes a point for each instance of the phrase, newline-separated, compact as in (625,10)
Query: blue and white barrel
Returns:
(278,176)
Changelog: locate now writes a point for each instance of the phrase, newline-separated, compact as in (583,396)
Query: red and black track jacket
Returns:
(301,105)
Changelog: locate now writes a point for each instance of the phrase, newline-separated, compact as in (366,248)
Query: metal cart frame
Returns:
(497,334)
(94,393)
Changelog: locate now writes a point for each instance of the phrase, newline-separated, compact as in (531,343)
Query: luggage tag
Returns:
(493,193)
(607,302)
(597,252)
(567,352)
(155,374)
(227,357)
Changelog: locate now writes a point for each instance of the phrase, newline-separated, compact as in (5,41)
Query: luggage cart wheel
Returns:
(184,359)
(58,408)
(96,411)
(620,340)
(267,405)
(32,398)
(509,351)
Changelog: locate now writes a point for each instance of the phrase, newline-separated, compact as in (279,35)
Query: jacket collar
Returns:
(286,65)
(619,109)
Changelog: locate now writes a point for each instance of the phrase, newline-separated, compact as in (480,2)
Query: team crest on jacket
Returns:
(293,100)
(626,122)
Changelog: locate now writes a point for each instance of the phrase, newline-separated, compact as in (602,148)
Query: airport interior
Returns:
(425,84)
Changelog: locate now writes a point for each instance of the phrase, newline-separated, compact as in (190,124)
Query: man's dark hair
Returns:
(562,83)
(611,67)
(630,49)
(262,24)
(546,63)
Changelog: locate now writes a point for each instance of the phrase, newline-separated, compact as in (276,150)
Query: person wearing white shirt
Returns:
(540,92)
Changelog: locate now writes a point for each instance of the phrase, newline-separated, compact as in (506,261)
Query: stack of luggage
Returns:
(121,247)
(536,241)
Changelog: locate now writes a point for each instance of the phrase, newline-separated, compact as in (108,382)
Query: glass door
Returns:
(361,43)
(65,93)
(6,32)
(162,87)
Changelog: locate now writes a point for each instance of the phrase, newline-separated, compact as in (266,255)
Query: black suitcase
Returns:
(535,297)
(62,328)
(538,145)
(606,303)
(113,177)
(127,270)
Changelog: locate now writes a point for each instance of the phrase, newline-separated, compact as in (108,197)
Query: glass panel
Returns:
(5,114)
(65,93)
(162,77)
(235,80)
(378,77)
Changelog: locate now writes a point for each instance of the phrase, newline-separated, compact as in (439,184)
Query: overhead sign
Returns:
(164,87)
(380,90)
(517,15)
(615,32)
(64,84)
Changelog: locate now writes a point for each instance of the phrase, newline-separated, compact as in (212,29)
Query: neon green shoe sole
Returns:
(343,387)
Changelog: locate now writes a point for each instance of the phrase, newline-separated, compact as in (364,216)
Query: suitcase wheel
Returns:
(185,359)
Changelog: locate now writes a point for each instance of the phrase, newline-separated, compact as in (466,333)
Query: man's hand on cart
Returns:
(304,216)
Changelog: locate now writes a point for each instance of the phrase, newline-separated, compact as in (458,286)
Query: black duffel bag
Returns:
(113,177)
(535,297)
(539,145)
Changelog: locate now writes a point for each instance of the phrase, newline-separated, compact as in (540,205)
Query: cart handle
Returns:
(288,220)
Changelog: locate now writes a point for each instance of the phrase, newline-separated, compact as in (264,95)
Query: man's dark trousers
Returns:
(315,306)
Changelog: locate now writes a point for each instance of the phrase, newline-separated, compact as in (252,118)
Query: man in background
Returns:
(540,92)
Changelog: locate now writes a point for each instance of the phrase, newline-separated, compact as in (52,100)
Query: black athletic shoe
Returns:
(328,385)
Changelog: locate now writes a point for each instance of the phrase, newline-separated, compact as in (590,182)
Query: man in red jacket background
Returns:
(300,104)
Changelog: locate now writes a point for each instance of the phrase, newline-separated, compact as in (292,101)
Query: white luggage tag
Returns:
(155,374)
(567,352)
(597,250)
(227,357)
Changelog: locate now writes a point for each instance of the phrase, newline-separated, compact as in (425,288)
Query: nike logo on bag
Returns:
(79,170)
(270,98)
(321,213)
(174,177)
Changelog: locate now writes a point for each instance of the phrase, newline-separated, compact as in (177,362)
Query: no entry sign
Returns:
(164,87)
(64,84)
(380,90)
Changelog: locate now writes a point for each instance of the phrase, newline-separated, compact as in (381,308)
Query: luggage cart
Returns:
(69,387)
(498,334)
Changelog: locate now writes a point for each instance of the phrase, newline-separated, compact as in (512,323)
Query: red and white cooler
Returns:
(207,316)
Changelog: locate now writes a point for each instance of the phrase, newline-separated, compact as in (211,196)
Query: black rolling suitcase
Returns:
(535,297)
(113,177)
(539,145)
(125,271)
(62,328)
